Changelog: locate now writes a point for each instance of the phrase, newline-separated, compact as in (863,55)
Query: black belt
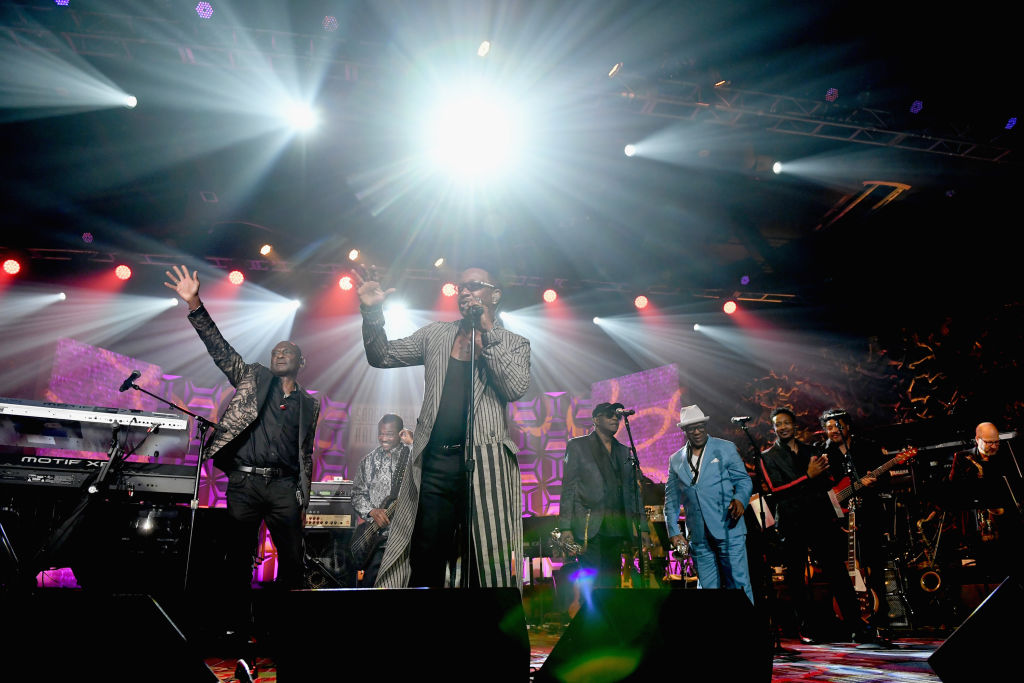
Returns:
(445,449)
(268,472)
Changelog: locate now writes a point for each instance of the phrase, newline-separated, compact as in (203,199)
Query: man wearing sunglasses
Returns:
(708,477)
(427,527)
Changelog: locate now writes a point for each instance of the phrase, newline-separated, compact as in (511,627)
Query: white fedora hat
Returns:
(691,415)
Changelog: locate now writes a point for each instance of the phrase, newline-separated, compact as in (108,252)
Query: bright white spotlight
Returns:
(301,116)
(630,150)
(62,296)
(395,307)
(130,101)
(696,327)
(172,301)
(295,304)
(473,134)
(597,320)
(777,167)
(484,48)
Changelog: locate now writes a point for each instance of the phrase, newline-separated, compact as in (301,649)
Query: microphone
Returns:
(127,384)
(476,310)
(624,412)
(740,420)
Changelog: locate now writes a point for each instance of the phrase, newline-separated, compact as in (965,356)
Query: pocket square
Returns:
(714,461)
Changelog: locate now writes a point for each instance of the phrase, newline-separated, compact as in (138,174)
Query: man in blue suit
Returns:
(708,477)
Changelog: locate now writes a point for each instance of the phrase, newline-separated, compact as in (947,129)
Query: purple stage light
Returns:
(916,107)
(204,10)
(745,280)
(87,237)
(1011,123)
(330,24)
(62,3)
(831,95)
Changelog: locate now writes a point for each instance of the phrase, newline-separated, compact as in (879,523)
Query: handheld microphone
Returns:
(741,419)
(476,310)
(127,384)
(624,411)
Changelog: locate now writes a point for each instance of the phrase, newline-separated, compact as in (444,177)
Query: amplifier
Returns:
(340,488)
(319,521)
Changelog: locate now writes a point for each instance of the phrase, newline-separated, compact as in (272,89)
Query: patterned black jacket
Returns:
(252,385)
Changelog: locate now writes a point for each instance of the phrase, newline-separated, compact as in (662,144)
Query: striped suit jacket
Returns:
(502,376)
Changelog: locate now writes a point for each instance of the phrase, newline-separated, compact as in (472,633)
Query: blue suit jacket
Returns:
(722,477)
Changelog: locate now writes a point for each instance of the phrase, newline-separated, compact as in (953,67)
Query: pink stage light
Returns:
(729,307)
(346,282)
(204,10)
(330,23)
(122,272)
(831,95)
(550,296)
(12,266)
(236,277)
(641,302)
(449,289)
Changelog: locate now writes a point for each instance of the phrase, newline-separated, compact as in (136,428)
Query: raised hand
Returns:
(369,291)
(186,286)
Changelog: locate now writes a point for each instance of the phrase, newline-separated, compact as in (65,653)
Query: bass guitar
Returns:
(366,539)
(368,535)
(844,490)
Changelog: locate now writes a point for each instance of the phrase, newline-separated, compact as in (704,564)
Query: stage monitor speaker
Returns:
(63,634)
(408,633)
(327,562)
(655,634)
(989,630)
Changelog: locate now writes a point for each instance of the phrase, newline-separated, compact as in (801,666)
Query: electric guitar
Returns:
(867,599)
(842,491)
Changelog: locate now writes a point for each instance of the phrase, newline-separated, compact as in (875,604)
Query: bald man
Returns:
(264,443)
(986,485)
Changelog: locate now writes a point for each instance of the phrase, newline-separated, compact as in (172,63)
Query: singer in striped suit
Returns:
(425,540)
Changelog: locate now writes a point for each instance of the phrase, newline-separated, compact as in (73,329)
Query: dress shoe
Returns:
(868,639)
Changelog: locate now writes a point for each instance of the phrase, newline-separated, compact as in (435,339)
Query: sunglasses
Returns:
(474,285)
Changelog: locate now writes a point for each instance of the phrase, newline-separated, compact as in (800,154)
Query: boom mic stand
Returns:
(769,589)
(202,425)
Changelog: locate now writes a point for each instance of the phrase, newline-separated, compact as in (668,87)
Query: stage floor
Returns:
(905,662)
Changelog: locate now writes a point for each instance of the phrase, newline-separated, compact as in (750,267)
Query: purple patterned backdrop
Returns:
(87,375)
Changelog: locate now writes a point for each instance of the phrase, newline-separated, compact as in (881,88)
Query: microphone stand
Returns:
(60,536)
(469,458)
(202,425)
(634,462)
(773,628)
